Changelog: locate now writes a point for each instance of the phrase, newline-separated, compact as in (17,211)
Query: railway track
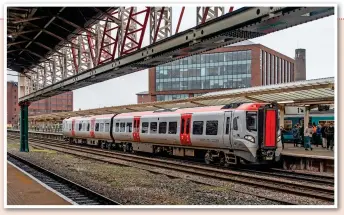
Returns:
(258,179)
(76,193)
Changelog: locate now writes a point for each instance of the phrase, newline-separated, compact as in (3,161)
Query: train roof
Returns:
(218,108)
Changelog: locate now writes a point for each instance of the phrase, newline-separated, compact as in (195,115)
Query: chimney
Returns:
(300,65)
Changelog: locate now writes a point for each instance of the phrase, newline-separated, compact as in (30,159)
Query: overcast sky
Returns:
(316,37)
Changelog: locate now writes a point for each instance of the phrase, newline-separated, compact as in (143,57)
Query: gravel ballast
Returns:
(135,186)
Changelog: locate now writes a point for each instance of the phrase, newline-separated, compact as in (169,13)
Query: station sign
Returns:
(290,110)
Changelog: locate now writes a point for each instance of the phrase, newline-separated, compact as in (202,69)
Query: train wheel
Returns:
(208,158)
(102,145)
(108,146)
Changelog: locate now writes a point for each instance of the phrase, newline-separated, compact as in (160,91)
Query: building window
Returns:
(206,71)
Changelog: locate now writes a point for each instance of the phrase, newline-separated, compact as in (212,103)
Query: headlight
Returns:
(249,138)
(279,138)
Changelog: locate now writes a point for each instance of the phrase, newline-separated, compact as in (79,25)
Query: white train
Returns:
(226,134)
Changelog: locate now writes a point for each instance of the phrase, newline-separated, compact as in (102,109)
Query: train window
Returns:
(107,127)
(101,127)
(197,128)
(122,127)
(80,126)
(129,126)
(162,127)
(228,120)
(84,126)
(188,126)
(182,126)
(88,126)
(117,127)
(251,121)
(235,123)
(144,127)
(97,126)
(172,127)
(211,127)
(153,127)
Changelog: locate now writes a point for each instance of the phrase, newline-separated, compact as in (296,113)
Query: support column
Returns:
(306,117)
(281,121)
(24,127)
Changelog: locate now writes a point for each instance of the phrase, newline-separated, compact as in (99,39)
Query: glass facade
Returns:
(171,97)
(206,71)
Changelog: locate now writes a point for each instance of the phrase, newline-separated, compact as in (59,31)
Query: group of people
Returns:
(321,134)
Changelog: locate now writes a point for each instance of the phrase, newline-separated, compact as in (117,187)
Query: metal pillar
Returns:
(306,117)
(24,127)
(281,121)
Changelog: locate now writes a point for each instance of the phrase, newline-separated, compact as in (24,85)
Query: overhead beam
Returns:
(28,19)
(75,25)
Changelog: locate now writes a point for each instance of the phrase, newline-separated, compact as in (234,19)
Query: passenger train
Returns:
(230,134)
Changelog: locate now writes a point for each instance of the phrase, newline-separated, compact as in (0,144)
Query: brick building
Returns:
(240,65)
(59,103)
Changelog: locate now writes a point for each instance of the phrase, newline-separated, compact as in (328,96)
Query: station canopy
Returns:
(300,93)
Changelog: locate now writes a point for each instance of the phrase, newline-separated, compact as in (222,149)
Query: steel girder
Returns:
(64,71)
(160,23)
(204,14)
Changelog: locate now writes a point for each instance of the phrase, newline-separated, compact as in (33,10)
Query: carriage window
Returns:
(97,126)
(107,127)
(197,128)
(84,126)
(117,127)
(235,123)
(251,121)
(80,126)
(122,127)
(129,126)
(144,127)
(101,127)
(227,124)
(88,126)
(182,126)
(188,126)
(162,127)
(211,128)
(172,127)
(153,127)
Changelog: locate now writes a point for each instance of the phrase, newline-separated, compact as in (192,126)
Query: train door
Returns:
(73,127)
(227,129)
(93,122)
(235,128)
(136,130)
(185,127)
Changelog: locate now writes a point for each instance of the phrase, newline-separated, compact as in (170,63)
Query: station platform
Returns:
(317,160)
(23,190)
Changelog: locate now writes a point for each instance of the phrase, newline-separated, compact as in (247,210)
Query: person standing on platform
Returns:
(318,137)
(308,136)
(330,136)
(314,135)
(295,135)
(323,135)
